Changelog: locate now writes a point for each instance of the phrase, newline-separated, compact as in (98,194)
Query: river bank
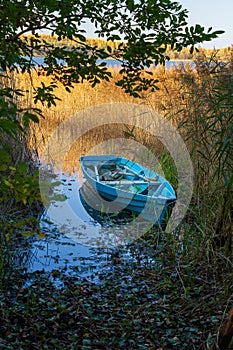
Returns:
(170,305)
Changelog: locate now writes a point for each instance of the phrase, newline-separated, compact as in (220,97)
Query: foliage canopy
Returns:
(146,28)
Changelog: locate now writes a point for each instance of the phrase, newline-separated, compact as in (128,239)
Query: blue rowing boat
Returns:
(130,185)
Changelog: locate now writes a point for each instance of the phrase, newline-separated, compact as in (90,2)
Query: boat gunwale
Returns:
(118,189)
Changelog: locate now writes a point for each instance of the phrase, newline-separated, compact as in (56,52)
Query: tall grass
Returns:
(205,121)
(199,103)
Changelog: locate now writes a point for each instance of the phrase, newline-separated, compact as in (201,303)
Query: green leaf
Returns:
(27,116)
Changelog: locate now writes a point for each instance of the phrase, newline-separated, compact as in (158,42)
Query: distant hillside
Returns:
(110,46)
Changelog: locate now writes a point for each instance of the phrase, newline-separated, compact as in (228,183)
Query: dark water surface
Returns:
(60,248)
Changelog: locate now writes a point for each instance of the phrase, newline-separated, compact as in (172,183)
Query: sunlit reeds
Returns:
(190,98)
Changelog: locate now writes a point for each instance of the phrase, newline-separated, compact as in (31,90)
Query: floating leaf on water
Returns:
(59,197)
(41,235)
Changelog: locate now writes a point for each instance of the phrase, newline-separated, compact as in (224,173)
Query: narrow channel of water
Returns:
(59,246)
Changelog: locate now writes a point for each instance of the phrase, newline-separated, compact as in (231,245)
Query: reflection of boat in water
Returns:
(129,185)
(96,207)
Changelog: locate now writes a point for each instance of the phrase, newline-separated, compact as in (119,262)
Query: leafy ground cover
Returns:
(157,303)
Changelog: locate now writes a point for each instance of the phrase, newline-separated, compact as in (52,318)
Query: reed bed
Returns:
(187,97)
(83,96)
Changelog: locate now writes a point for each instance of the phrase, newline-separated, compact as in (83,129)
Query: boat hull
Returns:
(148,202)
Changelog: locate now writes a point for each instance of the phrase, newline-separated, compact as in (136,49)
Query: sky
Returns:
(212,13)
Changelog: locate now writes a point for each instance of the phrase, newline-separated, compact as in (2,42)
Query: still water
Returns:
(39,60)
(62,243)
